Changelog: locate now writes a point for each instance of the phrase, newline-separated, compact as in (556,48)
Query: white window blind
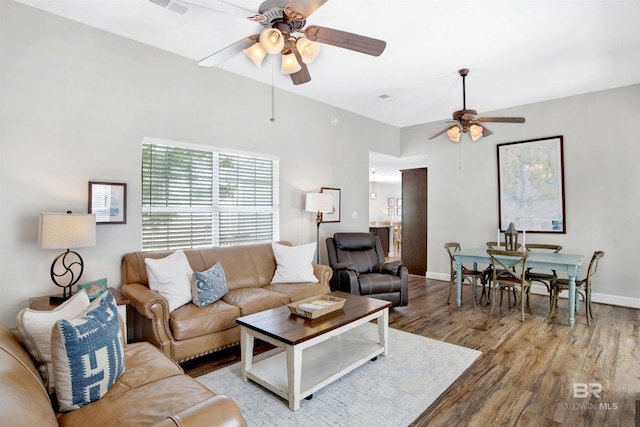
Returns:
(194,198)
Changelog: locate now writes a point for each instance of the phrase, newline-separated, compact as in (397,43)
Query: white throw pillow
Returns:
(35,330)
(171,278)
(294,263)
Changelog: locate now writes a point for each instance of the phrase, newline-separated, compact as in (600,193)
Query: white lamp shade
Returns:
(476,132)
(66,231)
(290,64)
(454,133)
(319,202)
(256,53)
(309,50)
(272,40)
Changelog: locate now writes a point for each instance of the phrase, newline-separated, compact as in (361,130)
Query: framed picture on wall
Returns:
(391,201)
(392,212)
(399,212)
(531,185)
(399,203)
(335,215)
(108,201)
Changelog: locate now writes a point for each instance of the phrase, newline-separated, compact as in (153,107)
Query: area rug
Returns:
(390,391)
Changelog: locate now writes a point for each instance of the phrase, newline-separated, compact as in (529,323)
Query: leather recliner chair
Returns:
(359,268)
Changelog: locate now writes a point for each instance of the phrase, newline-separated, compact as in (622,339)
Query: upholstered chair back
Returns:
(362,249)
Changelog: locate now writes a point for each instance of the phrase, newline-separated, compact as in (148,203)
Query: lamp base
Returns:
(60,298)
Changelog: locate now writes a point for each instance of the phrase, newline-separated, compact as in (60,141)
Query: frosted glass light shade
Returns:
(290,64)
(309,50)
(454,133)
(256,53)
(66,231)
(476,132)
(272,40)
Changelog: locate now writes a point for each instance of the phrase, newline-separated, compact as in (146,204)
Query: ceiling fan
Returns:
(468,121)
(285,33)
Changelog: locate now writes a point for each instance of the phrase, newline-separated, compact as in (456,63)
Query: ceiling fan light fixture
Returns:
(272,40)
(256,53)
(476,132)
(454,133)
(309,50)
(290,64)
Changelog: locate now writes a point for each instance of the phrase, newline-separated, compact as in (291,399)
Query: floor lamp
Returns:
(319,203)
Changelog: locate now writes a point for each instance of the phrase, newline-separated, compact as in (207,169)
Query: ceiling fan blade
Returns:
(500,119)
(303,75)
(299,10)
(440,133)
(486,132)
(345,40)
(224,7)
(228,52)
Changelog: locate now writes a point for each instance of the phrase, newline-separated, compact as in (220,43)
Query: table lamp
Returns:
(66,231)
(319,203)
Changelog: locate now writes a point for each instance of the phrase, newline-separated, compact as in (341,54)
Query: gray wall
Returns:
(76,103)
(602,184)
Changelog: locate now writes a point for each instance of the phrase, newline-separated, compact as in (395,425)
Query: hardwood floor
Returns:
(527,370)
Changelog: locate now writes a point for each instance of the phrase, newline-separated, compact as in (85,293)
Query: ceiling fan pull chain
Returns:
(273,102)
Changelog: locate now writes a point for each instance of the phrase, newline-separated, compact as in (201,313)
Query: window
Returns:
(199,197)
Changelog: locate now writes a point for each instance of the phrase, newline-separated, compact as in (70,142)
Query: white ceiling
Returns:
(519,52)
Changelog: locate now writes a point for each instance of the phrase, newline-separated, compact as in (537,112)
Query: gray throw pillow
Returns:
(208,286)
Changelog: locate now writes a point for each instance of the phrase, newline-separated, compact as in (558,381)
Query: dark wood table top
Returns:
(279,323)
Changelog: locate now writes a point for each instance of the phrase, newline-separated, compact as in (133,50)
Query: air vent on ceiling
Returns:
(171,5)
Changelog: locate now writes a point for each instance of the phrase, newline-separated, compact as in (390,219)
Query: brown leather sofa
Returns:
(191,331)
(152,391)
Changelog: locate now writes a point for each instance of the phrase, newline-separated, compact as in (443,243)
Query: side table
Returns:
(42,303)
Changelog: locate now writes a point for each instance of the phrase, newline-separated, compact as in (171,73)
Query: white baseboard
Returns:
(541,290)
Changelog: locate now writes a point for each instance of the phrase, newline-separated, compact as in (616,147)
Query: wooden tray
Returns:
(328,304)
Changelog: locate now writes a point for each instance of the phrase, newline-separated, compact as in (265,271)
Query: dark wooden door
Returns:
(414,220)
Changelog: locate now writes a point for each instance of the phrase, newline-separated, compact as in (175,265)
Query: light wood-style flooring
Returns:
(527,370)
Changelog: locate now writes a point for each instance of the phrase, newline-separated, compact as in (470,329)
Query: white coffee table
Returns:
(329,352)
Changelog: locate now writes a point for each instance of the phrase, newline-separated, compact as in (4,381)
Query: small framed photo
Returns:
(399,212)
(94,289)
(335,215)
(108,201)
(392,212)
(391,201)
(399,203)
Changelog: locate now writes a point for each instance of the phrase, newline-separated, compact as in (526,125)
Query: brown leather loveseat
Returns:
(152,391)
(191,331)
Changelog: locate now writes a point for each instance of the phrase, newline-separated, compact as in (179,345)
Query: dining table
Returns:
(567,263)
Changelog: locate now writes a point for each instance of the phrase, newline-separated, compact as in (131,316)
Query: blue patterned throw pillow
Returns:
(87,354)
(208,286)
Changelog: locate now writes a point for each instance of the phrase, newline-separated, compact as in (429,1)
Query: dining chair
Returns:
(543,276)
(397,238)
(509,273)
(472,276)
(489,270)
(583,288)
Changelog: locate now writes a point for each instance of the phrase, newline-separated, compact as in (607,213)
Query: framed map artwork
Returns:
(531,185)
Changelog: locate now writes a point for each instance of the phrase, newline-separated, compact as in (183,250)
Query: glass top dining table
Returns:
(567,263)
